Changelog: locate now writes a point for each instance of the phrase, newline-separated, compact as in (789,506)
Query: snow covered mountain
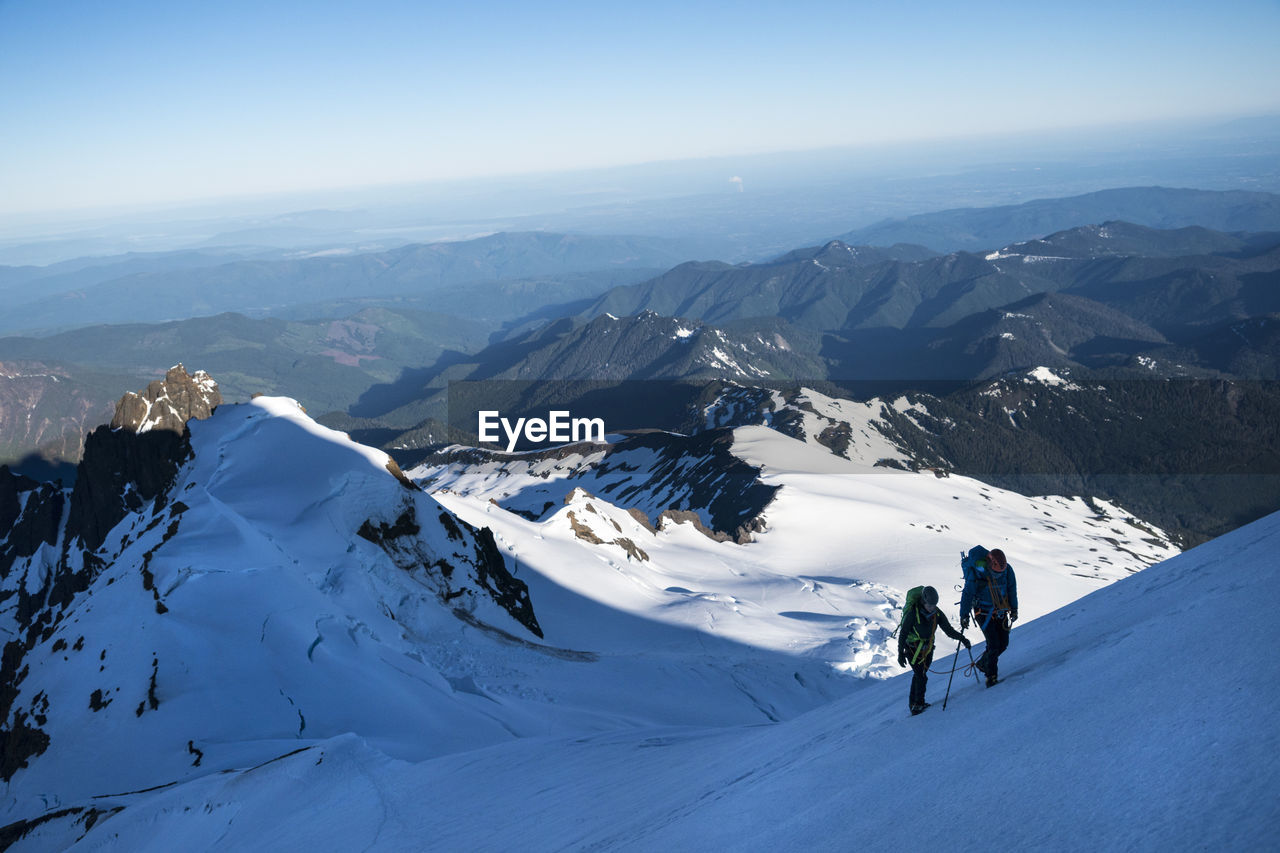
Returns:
(256,599)
(191,627)
(1115,727)
(1058,431)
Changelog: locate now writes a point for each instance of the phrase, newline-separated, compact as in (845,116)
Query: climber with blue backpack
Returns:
(920,620)
(991,593)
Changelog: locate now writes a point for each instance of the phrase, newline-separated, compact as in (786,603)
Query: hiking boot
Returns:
(919,709)
(981,664)
(992,680)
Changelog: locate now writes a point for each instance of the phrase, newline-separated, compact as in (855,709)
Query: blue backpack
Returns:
(973,561)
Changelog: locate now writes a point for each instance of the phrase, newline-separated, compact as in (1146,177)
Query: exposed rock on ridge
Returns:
(653,475)
(135,529)
(130,463)
(167,404)
(124,468)
(473,550)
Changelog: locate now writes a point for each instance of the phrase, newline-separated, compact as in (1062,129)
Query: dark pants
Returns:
(919,677)
(997,633)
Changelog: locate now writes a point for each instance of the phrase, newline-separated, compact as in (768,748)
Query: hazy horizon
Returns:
(955,152)
(145,105)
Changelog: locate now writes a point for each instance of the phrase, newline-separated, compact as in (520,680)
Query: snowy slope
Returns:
(840,543)
(290,592)
(246,613)
(288,588)
(1121,724)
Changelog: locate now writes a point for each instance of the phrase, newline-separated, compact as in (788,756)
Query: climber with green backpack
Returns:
(920,619)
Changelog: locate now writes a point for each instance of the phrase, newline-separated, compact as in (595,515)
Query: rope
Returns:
(969,669)
(966,672)
(972,668)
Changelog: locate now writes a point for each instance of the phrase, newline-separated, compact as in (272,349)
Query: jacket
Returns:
(918,627)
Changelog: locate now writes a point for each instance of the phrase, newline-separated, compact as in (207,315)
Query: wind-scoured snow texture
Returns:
(1114,728)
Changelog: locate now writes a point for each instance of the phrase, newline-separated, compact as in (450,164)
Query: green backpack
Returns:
(913,599)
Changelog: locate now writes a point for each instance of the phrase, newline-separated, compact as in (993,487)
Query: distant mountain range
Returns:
(1116,296)
(830,289)
(976,228)
(182,285)
(1119,290)
(54,389)
(559,269)
(1113,301)
(327,363)
(24,284)
(574,360)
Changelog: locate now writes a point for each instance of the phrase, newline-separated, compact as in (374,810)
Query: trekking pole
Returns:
(954,661)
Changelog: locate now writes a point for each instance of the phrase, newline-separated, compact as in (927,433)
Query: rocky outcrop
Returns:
(167,404)
(583,528)
(463,566)
(56,536)
(647,475)
(492,575)
(132,462)
(30,516)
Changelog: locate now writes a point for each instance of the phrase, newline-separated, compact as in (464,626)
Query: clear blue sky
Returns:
(120,102)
